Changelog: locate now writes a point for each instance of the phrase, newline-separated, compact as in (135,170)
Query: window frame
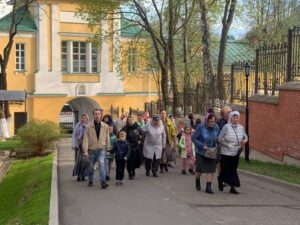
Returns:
(18,58)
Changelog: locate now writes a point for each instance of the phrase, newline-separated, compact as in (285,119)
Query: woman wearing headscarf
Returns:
(232,139)
(205,140)
(110,122)
(135,138)
(77,138)
(155,141)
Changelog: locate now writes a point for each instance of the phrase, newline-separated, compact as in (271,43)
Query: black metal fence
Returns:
(293,55)
(114,112)
(273,66)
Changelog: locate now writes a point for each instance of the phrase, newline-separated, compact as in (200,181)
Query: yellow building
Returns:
(58,68)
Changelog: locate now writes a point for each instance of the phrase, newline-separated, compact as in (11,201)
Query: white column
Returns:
(42,39)
(89,57)
(70,56)
(104,51)
(56,45)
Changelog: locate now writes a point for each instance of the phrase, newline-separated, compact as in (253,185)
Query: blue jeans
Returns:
(94,156)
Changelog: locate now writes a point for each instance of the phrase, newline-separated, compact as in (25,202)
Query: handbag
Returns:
(211,153)
(240,148)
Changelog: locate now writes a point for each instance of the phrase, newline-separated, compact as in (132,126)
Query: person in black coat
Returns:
(135,138)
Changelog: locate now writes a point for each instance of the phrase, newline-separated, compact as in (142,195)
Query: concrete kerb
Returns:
(53,212)
(272,180)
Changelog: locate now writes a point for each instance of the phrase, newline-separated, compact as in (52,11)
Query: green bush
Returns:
(39,135)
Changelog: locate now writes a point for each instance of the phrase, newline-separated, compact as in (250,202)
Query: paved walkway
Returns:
(171,199)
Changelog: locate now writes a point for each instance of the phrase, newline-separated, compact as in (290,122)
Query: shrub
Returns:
(39,135)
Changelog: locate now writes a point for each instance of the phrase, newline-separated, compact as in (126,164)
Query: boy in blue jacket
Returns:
(122,151)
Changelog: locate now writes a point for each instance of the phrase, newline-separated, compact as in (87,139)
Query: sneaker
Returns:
(104,185)
(183,172)
(90,184)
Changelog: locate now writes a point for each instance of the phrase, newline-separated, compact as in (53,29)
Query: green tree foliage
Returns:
(270,19)
(39,135)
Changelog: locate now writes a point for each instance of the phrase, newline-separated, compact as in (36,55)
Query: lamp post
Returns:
(247,73)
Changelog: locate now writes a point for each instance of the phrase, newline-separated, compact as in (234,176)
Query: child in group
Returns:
(109,159)
(122,151)
(187,151)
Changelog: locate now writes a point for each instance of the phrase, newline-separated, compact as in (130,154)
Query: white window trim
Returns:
(70,61)
(20,57)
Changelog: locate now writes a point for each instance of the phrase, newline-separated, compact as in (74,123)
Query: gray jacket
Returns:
(155,141)
(230,138)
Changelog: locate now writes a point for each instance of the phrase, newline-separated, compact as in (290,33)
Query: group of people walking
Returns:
(157,142)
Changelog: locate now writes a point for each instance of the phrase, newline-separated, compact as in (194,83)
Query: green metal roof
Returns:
(27,23)
(130,30)
(235,51)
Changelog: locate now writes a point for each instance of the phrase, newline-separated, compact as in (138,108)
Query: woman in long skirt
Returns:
(232,138)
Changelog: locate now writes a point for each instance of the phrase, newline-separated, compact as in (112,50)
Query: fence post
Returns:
(111,110)
(256,71)
(289,56)
(130,110)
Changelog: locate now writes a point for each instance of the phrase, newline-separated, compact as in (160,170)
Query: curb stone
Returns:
(272,180)
(53,212)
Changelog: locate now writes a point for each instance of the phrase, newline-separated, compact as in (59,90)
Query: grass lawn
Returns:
(283,172)
(10,144)
(25,192)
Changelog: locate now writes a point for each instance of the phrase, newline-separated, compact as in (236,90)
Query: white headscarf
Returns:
(232,114)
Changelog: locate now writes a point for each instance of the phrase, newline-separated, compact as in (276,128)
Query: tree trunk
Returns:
(207,64)
(227,21)
(176,97)
(186,60)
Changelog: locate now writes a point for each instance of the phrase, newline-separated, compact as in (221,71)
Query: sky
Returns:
(4,8)
(238,28)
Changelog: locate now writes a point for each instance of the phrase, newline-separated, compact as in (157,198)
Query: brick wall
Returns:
(274,122)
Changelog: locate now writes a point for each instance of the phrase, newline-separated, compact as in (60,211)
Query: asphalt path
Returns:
(171,199)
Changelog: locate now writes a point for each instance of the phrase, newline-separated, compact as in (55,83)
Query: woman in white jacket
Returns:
(155,141)
(232,139)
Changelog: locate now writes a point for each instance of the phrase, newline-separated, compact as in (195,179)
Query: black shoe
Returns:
(147,173)
(78,178)
(170,165)
(130,178)
(82,178)
(191,171)
(208,188)
(107,178)
(104,185)
(233,191)
(133,173)
(166,168)
(155,174)
(198,186)
(220,184)
(183,172)
(90,184)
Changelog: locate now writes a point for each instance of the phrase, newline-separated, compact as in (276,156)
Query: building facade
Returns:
(53,61)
